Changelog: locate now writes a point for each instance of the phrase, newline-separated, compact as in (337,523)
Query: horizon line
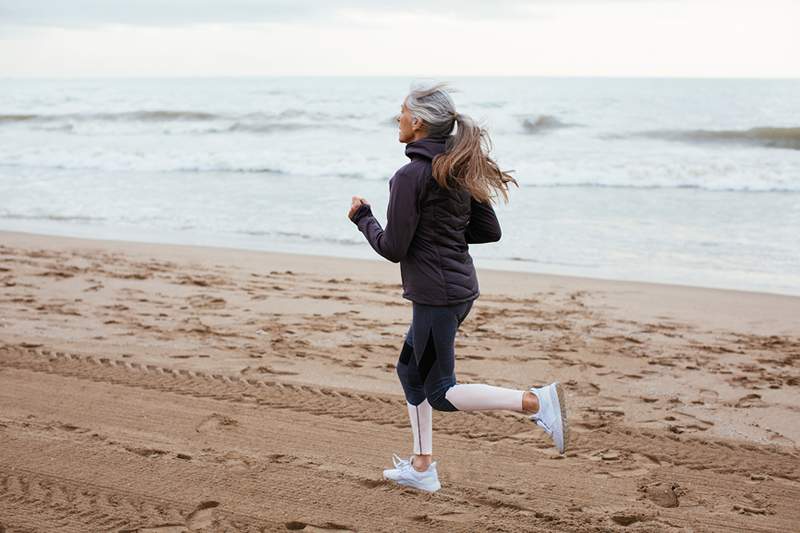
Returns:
(254,76)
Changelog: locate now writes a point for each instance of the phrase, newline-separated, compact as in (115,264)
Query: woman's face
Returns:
(410,128)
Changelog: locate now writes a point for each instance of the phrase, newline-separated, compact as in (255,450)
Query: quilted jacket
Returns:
(428,230)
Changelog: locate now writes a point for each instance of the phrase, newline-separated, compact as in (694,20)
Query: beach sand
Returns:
(166,388)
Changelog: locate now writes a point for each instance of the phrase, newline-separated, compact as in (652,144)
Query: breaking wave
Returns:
(787,138)
(137,116)
(256,122)
(347,241)
(544,123)
(60,218)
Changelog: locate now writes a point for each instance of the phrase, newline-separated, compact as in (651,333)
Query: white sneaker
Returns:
(552,414)
(405,474)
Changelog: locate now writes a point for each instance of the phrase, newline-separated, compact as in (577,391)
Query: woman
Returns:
(439,203)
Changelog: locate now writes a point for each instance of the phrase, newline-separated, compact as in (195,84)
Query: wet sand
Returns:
(170,388)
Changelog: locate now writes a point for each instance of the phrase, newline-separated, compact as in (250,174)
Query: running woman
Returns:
(439,203)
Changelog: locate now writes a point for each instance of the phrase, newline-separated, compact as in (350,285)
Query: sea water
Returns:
(689,181)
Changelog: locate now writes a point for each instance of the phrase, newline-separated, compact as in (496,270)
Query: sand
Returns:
(177,388)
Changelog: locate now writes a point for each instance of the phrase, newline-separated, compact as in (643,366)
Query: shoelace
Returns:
(542,424)
(399,462)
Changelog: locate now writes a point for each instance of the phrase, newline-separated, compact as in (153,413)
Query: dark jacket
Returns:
(428,230)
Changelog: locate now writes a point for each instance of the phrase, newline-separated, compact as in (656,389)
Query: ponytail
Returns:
(465,163)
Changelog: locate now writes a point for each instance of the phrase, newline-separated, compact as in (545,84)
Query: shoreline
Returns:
(244,243)
(17,236)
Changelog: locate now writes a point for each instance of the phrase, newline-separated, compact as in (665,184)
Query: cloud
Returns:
(164,13)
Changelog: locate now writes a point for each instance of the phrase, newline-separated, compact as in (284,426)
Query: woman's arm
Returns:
(402,216)
(483,225)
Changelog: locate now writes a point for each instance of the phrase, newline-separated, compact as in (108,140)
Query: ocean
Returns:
(688,181)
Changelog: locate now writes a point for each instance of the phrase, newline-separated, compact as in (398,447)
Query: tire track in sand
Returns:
(32,501)
(321,401)
(632,446)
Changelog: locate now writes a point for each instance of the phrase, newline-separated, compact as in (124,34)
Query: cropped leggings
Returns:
(426,367)
(427,361)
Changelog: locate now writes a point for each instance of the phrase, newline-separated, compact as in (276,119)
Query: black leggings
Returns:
(427,361)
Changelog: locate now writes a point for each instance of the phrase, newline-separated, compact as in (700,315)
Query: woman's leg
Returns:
(430,375)
(420,413)
(437,369)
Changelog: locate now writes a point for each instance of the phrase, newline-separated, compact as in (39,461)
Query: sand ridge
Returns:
(163,388)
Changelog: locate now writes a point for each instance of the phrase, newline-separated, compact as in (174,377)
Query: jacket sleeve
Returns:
(402,216)
(483,226)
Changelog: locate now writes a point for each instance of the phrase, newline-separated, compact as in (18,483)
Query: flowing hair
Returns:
(465,163)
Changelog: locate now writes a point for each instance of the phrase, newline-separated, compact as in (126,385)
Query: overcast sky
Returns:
(697,38)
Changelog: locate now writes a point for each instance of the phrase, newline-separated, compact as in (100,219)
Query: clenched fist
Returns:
(356,203)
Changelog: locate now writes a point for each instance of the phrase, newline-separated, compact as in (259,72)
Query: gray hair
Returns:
(465,163)
(433,105)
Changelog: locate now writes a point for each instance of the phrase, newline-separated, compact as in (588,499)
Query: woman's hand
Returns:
(356,203)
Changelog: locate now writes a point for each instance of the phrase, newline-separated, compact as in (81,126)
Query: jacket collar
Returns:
(427,147)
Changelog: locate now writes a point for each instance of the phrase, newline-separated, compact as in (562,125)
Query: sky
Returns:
(627,38)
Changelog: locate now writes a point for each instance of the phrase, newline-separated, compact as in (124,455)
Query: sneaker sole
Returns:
(562,414)
(390,475)
(405,483)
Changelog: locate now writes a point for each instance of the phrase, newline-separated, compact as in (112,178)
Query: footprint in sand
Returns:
(236,462)
(708,396)
(203,301)
(749,400)
(681,422)
(216,422)
(328,527)
(627,518)
(663,494)
(757,503)
(146,452)
(202,517)
(582,388)
(605,455)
